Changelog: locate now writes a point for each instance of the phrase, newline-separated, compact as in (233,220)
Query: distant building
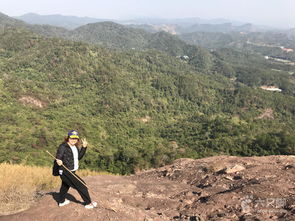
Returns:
(271,88)
(287,49)
(185,57)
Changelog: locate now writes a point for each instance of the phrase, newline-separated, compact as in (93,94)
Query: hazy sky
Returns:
(269,12)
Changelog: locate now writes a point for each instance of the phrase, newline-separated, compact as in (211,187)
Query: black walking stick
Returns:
(78,179)
(70,171)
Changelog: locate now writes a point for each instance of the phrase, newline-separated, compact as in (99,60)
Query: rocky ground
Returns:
(214,188)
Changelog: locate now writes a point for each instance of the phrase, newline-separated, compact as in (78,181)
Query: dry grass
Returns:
(20,184)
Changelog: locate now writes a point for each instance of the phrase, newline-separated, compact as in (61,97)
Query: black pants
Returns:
(68,180)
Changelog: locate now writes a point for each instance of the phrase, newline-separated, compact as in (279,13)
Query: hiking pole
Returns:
(70,171)
(79,180)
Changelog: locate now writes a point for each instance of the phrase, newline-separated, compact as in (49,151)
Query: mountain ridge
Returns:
(72,22)
(68,22)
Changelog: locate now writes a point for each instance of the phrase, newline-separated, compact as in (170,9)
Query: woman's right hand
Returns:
(59,162)
(84,142)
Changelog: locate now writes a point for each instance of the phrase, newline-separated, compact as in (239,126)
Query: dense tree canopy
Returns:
(138,109)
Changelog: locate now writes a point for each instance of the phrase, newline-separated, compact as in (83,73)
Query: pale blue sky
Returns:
(269,12)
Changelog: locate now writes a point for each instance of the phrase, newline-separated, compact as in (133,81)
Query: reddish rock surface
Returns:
(214,188)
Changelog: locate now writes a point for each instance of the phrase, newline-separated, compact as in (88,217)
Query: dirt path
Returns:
(217,188)
(120,198)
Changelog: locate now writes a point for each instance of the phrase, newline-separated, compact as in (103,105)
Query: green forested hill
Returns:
(264,43)
(119,37)
(254,59)
(138,109)
(68,22)
(116,36)
(110,34)
(6,20)
(234,57)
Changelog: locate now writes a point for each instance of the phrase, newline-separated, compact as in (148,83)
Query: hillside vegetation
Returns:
(234,55)
(236,51)
(24,184)
(138,109)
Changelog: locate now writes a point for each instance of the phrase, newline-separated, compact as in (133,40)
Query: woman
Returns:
(68,155)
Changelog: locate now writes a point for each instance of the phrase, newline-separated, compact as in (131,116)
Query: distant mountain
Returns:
(111,35)
(173,26)
(211,40)
(152,24)
(291,32)
(189,47)
(50,31)
(268,40)
(185,25)
(46,30)
(198,27)
(69,22)
(117,36)
(180,21)
(224,28)
(72,22)
(210,28)
(170,28)
(6,20)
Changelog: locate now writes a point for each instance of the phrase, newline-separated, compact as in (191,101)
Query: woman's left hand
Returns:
(84,142)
